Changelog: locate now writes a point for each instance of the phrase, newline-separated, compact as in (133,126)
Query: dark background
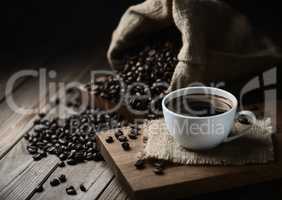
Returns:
(32,29)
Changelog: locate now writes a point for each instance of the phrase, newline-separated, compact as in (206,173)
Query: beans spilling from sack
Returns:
(141,84)
(143,80)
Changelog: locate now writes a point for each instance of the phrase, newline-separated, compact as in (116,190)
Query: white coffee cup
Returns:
(199,133)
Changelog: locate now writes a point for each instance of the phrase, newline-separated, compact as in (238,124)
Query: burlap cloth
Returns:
(254,148)
(218,42)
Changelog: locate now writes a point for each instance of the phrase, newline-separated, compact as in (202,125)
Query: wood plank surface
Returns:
(18,161)
(182,181)
(113,191)
(89,174)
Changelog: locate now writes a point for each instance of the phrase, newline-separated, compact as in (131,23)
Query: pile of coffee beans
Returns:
(143,80)
(73,140)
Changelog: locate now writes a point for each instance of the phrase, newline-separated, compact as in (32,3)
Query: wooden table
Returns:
(19,174)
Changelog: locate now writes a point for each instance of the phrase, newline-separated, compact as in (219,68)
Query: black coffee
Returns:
(199,105)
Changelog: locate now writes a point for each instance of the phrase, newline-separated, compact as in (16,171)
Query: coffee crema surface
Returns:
(199,105)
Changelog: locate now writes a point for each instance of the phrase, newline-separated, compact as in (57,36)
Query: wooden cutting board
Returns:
(181,181)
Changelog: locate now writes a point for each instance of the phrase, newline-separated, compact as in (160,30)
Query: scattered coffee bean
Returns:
(57,101)
(158,171)
(139,164)
(69,104)
(132,136)
(37,121)
(42,115)
(71,190)
(61,164)
(98,157)
(122,138)
(39,188)
(54,182)
(82,188)
(125,146)
(134,131)
(159,164)
(118,133)
(109,139)
(62,178)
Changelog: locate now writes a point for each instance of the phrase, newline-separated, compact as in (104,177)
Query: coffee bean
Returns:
(152,52)
(61,164)
(82,188)
(109,139)
(42,115)
(32,149)
(118,133)
(139,164)
(69,104)
(71,162)
(51,150)
(37,121)
(62,178)
(54,182)
(36,157)
(134,130)
(125,146)
(39,189)
(132,136)
(158,171)
(159,164)
(43,154)
(57,101)
(71,190)
(98,157)
(122,138)
(72,153)
(89,156)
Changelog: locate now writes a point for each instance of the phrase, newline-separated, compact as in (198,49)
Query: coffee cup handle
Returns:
(244,117)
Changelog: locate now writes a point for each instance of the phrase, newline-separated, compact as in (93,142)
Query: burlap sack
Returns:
(256,147)
(217,41)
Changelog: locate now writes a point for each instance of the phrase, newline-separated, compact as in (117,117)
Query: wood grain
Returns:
(183,181)
(86,173)
(113,191)
(17,160)
(20,174)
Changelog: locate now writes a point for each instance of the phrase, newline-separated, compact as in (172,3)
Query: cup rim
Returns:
(196,117)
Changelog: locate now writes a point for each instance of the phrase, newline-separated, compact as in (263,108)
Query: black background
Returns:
(29,26)
(34,28)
